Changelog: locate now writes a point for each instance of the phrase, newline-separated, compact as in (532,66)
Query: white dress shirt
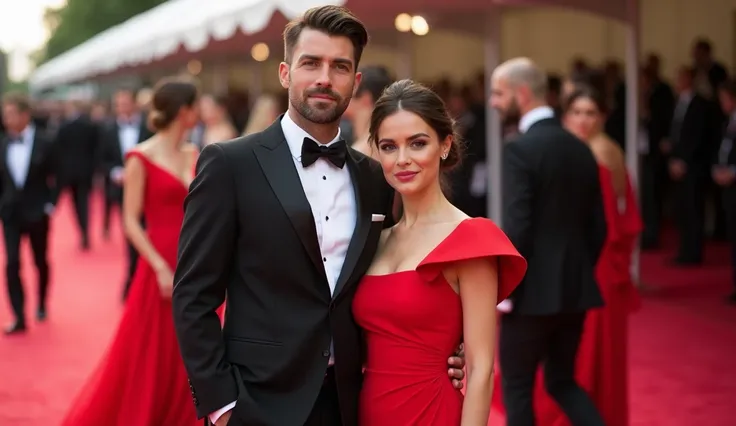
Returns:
(331,196)
(19,157)
(128,135)
(533,116)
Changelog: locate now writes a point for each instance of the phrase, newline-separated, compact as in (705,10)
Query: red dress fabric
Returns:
(141,380)
(413,321)
(602,362)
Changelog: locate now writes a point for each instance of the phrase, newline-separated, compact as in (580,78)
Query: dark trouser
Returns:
(527,342)
(653,183)
(114,197)
(80,195)
(326,411)
(132,262)
(729,204)
(38,233)
(689,194)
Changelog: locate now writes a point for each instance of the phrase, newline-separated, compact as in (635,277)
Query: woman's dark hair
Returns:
(169,97)
(331,20)
(407,95)
(584,91)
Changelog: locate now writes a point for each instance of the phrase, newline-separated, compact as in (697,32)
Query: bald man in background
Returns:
(553,213)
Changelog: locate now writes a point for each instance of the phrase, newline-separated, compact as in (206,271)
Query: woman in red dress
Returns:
(435,280)
(141,381)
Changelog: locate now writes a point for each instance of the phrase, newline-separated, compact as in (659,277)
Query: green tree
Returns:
(80,20)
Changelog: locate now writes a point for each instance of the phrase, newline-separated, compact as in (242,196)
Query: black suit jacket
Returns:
(28,204)
(77,142)
(249,233)
(553,213)
(726,156)
(693,133)
(111,154)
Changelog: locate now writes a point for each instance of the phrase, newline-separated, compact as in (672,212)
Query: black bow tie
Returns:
(335,153)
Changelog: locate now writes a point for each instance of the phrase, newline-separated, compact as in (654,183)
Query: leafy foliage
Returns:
(80,20)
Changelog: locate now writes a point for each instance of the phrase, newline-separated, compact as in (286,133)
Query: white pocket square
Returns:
(378,217)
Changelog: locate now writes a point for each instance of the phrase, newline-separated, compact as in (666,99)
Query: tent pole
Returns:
(493,123)
(632,108)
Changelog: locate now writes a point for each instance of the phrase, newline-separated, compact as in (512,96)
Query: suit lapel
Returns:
(6,168)
(360,177)
(278,166)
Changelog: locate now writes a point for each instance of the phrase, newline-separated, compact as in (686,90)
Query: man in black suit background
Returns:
(125,131)
(553,213)
(28,171)
(285,222)
(76,144)
(724,171)
(692,135)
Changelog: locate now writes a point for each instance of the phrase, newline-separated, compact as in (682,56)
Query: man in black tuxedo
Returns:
(76,143)
(28,170)
(553,213)
(692,131)
(119,136)
(724,171)
(285,222)
(659,104)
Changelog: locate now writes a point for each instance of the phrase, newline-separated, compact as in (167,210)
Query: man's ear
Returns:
(284,70)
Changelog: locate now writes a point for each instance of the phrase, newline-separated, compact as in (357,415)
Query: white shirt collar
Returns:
(295,135)
(28,133)
(535,115)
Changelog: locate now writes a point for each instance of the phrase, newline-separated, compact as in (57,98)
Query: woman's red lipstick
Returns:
(405,176)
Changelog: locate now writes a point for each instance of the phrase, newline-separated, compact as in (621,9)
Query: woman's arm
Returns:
(135,179)
(478,283)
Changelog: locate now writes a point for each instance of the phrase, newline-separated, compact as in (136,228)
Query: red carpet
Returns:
(683,340)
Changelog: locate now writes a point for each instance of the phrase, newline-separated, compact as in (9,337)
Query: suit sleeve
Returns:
(54,167)
(518,196)
(207,245)
(105,154)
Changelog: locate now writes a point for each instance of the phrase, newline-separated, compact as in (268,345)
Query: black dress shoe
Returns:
(15,328)
(41,315)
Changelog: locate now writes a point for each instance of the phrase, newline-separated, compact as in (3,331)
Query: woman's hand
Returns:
(165,278)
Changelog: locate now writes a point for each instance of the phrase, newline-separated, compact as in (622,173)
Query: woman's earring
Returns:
(444,156)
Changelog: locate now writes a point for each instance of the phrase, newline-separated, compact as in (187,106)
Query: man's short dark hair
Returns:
(331,20)
(704,45)
(375,80)
(19,100)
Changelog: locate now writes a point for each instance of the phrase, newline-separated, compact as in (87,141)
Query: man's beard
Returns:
(511,115)
(321,112)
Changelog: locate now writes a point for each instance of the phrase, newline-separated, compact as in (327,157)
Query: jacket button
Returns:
(325,354)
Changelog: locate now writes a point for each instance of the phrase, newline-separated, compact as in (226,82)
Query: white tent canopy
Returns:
(160,32)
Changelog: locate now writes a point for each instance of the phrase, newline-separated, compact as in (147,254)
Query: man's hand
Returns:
(224,419)
(456,363)
(678,168)
(116,175)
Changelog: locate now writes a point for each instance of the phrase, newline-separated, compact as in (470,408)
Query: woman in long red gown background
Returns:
(602,362)
(141,380)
